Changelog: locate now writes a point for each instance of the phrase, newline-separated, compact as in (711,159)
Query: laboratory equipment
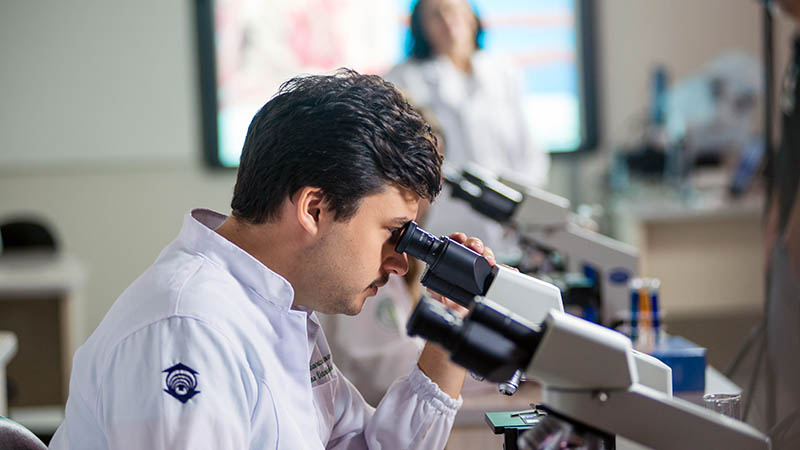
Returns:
(544,219)
(461,274)
(727,404)
(590,375)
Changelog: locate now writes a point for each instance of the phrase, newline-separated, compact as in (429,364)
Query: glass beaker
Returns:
(727,404)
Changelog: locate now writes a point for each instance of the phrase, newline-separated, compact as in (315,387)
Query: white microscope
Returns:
(593,382)
(544,218)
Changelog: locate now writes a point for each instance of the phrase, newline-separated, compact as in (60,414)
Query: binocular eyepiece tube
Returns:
(487,342)
(419,243)
(454,271)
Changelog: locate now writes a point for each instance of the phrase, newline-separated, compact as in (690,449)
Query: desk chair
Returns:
(14,436)
(26,235)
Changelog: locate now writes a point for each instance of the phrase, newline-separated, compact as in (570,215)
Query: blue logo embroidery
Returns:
(619,276)
(181,381)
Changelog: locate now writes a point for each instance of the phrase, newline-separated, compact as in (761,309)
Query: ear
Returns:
(311,209)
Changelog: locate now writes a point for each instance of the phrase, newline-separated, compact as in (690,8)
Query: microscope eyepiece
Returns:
(454,270)
(418,243)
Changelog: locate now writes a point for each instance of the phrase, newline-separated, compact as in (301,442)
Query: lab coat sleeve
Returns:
(176,384)
(414,414)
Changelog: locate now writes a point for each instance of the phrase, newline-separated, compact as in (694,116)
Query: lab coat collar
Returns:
(450,84)
(198,236)
(454,86)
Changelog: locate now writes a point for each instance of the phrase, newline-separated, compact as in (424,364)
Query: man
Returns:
(217,345)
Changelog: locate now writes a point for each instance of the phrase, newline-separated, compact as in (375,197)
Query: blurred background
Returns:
(104,141)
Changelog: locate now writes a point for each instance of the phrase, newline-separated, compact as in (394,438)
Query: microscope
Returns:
(460,274)
(597,391)
(543,219)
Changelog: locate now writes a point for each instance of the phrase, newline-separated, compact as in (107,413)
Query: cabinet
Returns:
(40,300)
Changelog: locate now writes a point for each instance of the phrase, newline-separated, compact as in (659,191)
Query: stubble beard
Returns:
(340,303)
(332,294)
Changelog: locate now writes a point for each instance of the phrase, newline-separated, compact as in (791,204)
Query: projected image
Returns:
(540,37)
(258,44)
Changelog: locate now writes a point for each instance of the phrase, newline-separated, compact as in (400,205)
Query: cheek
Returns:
(364,259)
(379,251)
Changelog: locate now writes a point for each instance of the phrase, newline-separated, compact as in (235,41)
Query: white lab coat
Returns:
(482,119)
(204,351)
(373,347)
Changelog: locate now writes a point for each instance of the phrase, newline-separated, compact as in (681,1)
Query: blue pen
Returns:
(654,285)
(634,286)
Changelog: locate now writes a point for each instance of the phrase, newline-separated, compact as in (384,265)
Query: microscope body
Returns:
(593,378)
(462,275)
(590,375)
(612,263)
(543,218)
(540,297)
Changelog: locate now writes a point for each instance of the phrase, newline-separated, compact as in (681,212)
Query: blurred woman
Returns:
(477,99)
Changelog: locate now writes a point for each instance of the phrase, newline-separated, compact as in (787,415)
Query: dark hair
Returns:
(418,46)
(348,134)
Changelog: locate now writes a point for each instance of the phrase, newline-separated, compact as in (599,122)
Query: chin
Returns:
(354,308)
(351,311)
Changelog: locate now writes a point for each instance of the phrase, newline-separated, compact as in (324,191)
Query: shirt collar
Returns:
(198,236)
(454,86)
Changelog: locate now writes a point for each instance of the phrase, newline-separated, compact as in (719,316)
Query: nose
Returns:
(396,263)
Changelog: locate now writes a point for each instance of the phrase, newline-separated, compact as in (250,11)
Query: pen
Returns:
(654,286)
(645,312)
(634,286)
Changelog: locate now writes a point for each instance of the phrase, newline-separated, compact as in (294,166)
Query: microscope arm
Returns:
(614,261)
(654,419)
(583,245)
(544,219)
(591,375)
(540,297)
(653,373)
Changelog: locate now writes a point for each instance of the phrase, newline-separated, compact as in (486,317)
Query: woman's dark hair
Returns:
(418,46)
(348,134)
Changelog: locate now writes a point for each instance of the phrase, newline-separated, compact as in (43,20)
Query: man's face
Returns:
(355,257)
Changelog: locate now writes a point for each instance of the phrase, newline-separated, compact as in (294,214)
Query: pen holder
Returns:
(645,315)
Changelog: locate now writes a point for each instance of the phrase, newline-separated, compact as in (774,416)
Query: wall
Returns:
(100,118)
(633,37)
(110,79)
